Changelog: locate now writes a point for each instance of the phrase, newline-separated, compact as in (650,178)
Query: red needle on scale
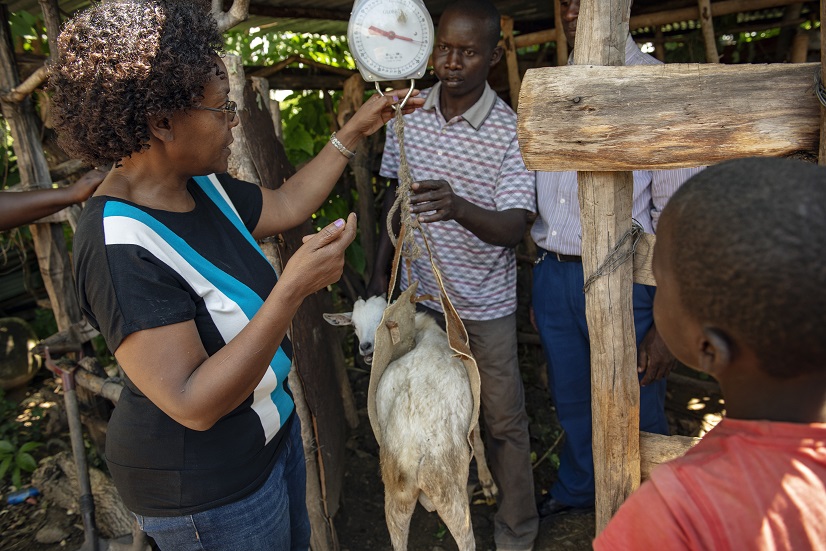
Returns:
(389,34)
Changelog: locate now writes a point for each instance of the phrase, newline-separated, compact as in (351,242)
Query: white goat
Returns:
(424,407)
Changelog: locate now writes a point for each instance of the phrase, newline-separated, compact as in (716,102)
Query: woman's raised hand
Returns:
(377,110)
(320,260)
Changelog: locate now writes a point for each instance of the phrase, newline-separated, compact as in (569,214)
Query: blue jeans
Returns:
(274,518)
(559,308)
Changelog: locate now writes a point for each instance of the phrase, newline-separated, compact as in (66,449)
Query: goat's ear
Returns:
(384,296)
(345,318)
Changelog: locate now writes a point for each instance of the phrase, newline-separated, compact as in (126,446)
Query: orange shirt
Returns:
(748,485)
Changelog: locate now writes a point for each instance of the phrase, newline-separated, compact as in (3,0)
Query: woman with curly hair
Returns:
(204,446)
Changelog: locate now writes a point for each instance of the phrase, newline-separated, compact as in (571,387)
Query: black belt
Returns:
(543,254)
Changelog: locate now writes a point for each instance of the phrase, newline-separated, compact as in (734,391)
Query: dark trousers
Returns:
(507,441)
(559,308)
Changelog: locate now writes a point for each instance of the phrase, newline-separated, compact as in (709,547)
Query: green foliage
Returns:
(15,457)
(260,47)
(10,174)
(15,461)
(306,124)
(28,32)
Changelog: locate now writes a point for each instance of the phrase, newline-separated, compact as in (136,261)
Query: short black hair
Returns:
(121,62)
(485,11)
(748,251)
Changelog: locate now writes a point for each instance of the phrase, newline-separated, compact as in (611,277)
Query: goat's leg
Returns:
(398,510)
(485,478)
(454,510)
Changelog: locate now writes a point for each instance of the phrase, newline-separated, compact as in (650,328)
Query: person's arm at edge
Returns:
(25,207)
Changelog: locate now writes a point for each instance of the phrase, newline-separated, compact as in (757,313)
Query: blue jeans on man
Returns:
(559,309)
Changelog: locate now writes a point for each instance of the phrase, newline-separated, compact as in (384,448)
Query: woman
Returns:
(203,447)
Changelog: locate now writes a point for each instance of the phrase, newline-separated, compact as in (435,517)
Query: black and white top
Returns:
(138,268)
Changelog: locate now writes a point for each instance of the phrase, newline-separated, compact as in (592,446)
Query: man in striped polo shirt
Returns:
(473,194)
(559,310)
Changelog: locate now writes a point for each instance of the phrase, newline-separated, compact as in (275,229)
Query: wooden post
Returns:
(659,44)
(800,47)
(707,25)
(822,154)
(49,241)
(561,40)
(514,82)
(605,203)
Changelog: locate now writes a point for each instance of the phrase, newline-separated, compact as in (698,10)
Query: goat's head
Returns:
(364,318)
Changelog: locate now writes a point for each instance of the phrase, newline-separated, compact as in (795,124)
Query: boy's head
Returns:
(466,46)
(740,262)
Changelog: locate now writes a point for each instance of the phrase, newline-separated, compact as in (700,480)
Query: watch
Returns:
(390,39)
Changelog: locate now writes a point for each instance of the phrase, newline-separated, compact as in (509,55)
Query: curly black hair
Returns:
(120,63)
(748,250)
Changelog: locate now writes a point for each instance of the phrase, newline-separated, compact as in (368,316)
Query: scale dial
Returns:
(390,39)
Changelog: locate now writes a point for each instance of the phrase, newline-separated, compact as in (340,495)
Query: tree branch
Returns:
(236,14)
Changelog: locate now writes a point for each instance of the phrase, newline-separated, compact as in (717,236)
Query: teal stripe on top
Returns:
(209,188)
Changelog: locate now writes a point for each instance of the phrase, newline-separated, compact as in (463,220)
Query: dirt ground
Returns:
(360,520)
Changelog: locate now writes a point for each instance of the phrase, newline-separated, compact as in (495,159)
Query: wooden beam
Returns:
(660,18)
(707,26)
(658,448)
(514,82)
(286,12)
(665,116)
(605,206)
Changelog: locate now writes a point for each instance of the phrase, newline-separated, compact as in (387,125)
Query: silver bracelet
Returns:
(340,146)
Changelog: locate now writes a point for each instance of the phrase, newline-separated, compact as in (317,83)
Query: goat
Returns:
(424,407)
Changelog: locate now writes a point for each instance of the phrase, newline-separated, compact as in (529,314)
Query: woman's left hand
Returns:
(377,110)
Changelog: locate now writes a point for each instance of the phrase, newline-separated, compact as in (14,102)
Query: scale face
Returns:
(390,39)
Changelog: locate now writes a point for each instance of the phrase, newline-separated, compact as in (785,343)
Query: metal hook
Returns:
(404,101)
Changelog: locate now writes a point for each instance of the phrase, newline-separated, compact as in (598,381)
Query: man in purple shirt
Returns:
(472,193)
(559,311)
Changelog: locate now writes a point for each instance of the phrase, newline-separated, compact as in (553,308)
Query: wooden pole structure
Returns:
(659,44)
(605,200)
(707,26)
(659,18)
(514,82)
(49,241)
(822,153)
(561,40)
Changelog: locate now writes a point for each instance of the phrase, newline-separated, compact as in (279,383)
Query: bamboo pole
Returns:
(822,154)
(659,44)
(707,26)
(514,82)
(605,203)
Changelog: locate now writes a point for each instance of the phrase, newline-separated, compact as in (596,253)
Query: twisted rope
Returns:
(410,250)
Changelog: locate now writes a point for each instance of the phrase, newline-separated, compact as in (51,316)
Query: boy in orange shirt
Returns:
(740,263)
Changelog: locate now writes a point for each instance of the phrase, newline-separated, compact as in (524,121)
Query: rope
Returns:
(410,250)
(617,257)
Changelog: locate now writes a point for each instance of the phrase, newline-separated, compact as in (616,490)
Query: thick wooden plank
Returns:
(665,116)
(605,206)
(658,448)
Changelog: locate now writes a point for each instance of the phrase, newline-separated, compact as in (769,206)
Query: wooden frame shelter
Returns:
(570,118)
(578,118)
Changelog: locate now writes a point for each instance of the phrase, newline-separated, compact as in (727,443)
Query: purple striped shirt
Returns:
(477,153)
(558,228)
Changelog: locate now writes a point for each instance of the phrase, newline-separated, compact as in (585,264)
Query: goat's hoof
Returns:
(490,491)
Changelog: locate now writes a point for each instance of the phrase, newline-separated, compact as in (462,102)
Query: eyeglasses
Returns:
(229,108)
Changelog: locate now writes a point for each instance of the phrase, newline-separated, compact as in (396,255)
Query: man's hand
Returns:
(436,197)
(653,358)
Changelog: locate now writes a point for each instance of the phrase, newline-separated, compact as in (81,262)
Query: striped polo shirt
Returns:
(558,228)
(139,268)
(478,155)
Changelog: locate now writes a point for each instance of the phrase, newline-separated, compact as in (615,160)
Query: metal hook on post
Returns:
(404,101)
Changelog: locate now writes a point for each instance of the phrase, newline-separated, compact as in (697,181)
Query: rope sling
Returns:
(395,335)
